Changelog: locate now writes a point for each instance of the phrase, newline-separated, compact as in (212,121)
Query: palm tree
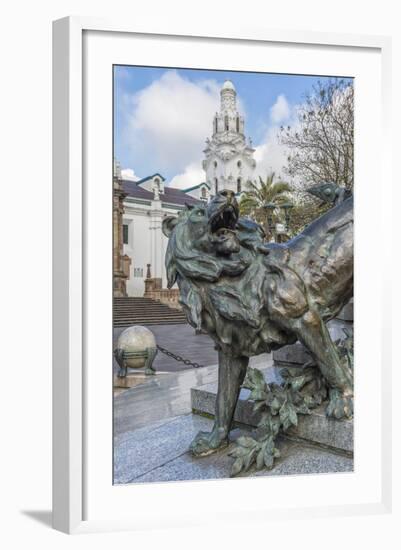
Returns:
(257,195)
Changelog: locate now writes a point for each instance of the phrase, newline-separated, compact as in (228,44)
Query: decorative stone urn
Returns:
(136,348)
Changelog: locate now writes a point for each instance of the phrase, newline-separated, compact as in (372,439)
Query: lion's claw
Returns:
(340,405)
(206,443)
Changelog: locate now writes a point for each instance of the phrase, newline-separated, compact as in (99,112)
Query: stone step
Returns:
(149,311)
(140,304)
(155,305)
(148,315)
(159,318)
(144,311)
(136,301)
(150,323)
(144,318)
(316,427)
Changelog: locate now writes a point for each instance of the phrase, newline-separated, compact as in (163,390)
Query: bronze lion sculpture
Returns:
(252,297)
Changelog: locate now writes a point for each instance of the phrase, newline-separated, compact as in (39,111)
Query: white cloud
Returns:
(170,120)
(129,174)
(280,111)
(271,155)
(192,175)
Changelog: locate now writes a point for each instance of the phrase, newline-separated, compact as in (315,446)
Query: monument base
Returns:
(315,428)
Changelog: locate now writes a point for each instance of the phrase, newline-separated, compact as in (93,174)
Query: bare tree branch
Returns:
(321,143)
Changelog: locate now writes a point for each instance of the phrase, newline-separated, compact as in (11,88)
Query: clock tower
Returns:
(229,161)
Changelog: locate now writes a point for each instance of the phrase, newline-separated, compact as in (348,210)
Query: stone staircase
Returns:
(144,311)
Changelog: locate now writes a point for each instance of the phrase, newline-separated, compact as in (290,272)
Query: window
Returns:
(215,164)
(203,193)
(138,272)
(237,123)
(215,125)
(226,123)
(216,184)
(239,164)
(239,185)
(125,233)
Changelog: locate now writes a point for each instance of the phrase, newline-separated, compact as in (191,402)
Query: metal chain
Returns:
(179,358)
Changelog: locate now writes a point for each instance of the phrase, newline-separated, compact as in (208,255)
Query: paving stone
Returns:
(159,397)
(151,447)
(161,454)
(164,395)
(301,459)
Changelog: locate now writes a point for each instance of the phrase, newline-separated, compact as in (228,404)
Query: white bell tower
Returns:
(229,161)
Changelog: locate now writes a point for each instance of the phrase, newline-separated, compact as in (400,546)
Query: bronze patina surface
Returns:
(253,297)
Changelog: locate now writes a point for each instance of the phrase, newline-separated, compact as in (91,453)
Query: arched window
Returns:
(216,185)
(239,164)
(237,123)
(225,123)
(203,193)
(215,125)
(239,185)
(215,164)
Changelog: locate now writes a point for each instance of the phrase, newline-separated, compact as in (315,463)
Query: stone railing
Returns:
(154,291)
(169,296)
(126,265)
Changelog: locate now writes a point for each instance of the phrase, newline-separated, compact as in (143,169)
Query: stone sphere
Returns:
(137,339)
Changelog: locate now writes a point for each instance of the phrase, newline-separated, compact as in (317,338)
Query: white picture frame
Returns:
(71,308)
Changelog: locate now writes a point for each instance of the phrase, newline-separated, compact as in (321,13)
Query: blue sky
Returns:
(162,117)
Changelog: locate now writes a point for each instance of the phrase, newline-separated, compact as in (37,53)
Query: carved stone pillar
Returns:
(153,285)
(156,238)
(120,265)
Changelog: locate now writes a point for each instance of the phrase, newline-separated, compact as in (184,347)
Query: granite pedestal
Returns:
(315,428)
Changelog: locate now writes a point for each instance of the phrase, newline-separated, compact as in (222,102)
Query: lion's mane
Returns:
(241,299)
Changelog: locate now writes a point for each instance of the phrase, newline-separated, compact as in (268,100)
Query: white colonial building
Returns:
(229,161)
(145,204)
(142,205)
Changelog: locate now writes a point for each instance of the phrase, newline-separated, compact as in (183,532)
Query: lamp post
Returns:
(277,230)
(287,214)
(270,207)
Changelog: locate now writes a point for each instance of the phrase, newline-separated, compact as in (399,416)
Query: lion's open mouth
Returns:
(223,222)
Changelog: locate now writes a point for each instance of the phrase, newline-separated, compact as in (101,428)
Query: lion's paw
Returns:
(340,405)
(206,443)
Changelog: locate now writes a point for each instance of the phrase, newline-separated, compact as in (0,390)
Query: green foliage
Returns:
(304,388)
(306,209)
(345,347)
(279,405)
(258,194)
